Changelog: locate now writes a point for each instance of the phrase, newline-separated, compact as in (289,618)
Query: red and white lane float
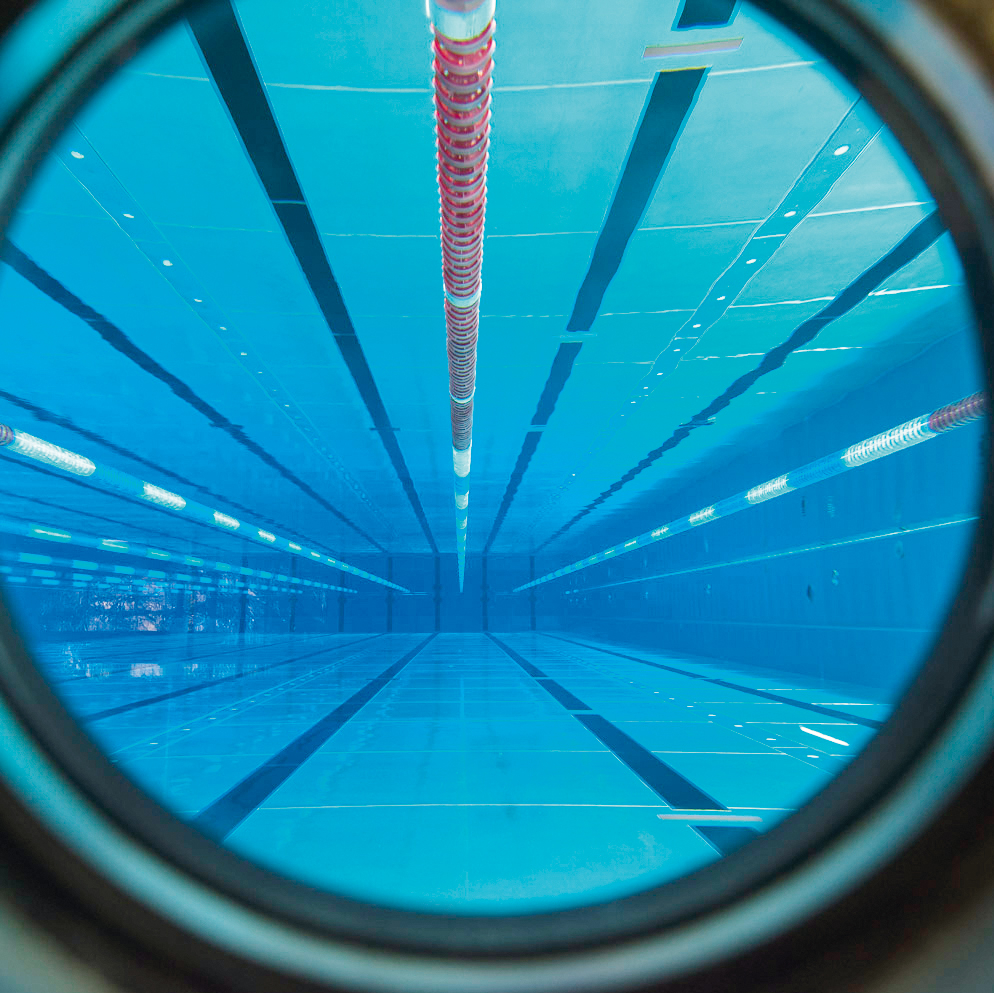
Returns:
(462,50)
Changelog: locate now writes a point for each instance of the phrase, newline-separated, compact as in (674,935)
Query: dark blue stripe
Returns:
(663,780)
(517,474)
(562,366)
(120,342)
(813,707)
(724,838)
(148,701)
(671,99)
(226,55)
(630,658)
(563,695)
(705,14)
(910,247)
(515,657)
(227,812)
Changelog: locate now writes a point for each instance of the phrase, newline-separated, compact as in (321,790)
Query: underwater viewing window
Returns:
(367,595)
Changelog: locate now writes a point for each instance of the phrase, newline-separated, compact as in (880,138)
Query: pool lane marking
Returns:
(827,737)
(563,695)
(43,281)
(725,840)
(671,98)
(671,787)
(221,817)
(824,546)
(662,779)
(148,701)
(800,704)
(705,14)
(226,54)
(912,245)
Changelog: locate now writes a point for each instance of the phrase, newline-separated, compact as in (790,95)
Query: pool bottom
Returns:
(472,773)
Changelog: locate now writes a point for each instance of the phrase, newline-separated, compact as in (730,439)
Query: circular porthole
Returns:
(610,612)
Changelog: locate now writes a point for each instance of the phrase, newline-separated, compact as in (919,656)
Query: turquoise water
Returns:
(703,272)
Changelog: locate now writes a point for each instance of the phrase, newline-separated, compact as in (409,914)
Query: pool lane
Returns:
(228,811)
(821,726)
(465,785)
(471,773)
(672,788)
(520,773)
(764,694)
(187,748)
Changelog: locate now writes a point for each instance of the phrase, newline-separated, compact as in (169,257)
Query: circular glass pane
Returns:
(486,628)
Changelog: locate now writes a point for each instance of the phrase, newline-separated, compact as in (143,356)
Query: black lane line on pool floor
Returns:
(45,282)
(148,701)
(726,839)
(801,704)
(912,245)
(227,57)
(672,788)
(705,14)
(228,811)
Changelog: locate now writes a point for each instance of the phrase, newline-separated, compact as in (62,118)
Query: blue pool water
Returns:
(475,787)
(238,565)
